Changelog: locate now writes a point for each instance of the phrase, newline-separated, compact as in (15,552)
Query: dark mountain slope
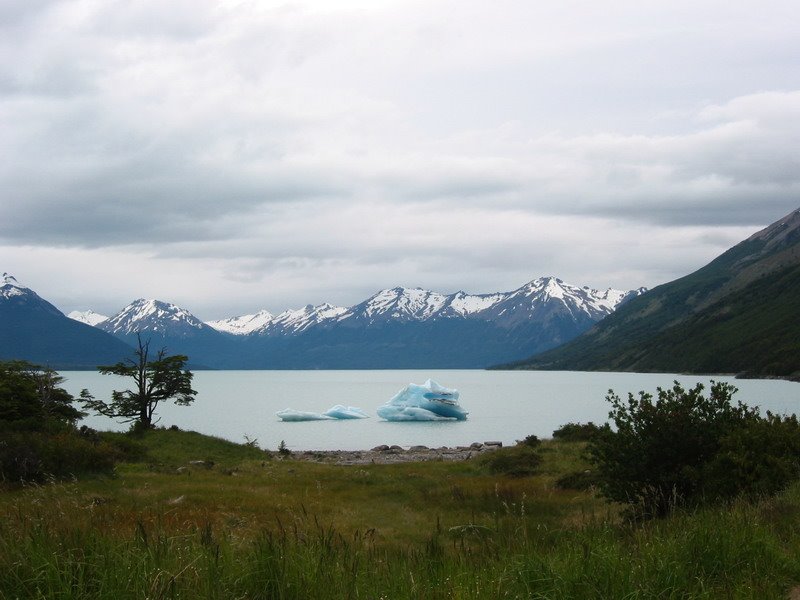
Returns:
(32,329)
(738,314)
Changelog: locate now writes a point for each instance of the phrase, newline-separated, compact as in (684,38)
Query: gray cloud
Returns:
(311,152)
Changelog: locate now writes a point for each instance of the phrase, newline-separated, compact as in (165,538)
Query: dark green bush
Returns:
(516,461)
(760,458)
(31,399)
(34,456)
(685,448)
(577,432)
(531,441)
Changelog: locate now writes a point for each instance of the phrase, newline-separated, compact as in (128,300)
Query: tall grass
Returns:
(471,536)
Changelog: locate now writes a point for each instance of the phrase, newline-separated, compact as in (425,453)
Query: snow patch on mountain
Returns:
(299,320)
(243,324)
(469,304)
(401,304)
(87,316)
(10,287)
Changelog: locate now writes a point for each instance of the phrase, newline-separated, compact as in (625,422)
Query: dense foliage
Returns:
(687,448)
(155,379)
(31,399)
(576,432)
(38,437)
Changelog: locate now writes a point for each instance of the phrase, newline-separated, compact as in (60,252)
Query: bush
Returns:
(37,456)
(31,399)
(685,448)
(577,432)
(760,458)
(531,441)
(517,461)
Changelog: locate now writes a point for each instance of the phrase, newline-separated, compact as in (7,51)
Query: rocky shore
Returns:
(381,455)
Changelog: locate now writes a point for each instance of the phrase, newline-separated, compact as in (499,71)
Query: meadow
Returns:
(258,525)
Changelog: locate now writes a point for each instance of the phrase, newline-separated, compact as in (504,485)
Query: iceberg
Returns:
(334,413)
(289,414)
(427,402)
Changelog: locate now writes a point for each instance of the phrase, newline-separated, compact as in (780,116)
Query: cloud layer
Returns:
(231,155)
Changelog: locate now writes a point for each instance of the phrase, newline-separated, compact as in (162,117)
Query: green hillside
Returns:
(738,314)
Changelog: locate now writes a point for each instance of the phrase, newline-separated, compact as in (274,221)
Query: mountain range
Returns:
(738,314)
(394,328)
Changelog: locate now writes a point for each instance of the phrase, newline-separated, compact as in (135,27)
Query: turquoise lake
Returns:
(503,405)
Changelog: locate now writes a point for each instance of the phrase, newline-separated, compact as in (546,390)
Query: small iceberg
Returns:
(337,412)
(346,412)
(427,402)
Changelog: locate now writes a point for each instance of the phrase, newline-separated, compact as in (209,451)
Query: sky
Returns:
(230,156)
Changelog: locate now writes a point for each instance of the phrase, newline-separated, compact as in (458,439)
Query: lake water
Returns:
(503,405)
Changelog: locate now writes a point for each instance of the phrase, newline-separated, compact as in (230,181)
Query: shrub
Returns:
(759,458)
(577,432)
(517,461)
(31,399)
(531,441)
(36,456)
(664,449)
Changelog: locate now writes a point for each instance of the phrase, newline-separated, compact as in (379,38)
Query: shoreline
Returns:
(385,455)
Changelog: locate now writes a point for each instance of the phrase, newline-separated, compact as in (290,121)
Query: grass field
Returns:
(255,526)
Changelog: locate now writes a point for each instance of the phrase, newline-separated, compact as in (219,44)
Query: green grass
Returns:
(174,448)
(251,527)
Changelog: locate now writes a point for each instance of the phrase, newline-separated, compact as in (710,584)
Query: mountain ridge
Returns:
(394,328)
(417,304)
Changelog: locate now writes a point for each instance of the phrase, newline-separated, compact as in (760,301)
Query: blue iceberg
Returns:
(427,402)
(337,412)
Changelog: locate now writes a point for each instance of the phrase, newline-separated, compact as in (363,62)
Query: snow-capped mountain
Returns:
(11,289)
(175,329)
(87,316)
(153,316)
(542,297)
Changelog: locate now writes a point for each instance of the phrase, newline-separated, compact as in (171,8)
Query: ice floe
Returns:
(346,412)
(337,412)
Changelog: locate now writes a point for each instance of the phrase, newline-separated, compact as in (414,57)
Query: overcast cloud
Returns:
(236,155)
